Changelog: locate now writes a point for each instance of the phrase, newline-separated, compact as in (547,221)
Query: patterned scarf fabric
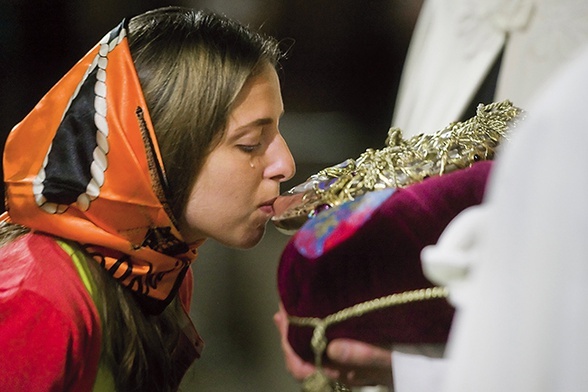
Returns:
(85,165)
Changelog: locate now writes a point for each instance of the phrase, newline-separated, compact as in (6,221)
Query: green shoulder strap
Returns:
(104,379)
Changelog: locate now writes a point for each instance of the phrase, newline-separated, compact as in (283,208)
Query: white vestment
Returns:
(455,43)
(517,265)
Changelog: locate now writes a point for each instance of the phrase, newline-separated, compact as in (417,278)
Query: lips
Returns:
(268,206)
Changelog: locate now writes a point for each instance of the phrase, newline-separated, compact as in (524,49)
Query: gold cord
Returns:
(318,382)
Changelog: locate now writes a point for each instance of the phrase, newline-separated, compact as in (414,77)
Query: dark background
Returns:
(339,82)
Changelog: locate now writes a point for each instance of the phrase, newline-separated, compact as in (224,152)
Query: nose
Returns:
(281,165)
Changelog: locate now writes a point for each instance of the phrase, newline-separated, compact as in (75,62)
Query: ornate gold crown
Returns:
(400,163)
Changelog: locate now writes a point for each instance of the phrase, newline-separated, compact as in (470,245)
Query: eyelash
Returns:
(249,148)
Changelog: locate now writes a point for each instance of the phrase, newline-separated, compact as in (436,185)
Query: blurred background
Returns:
(339,82)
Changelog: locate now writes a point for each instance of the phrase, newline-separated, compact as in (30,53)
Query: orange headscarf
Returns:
(85,165)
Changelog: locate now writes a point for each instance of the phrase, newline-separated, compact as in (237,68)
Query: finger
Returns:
(298,368)
(353,353)
(367,377)
(281,321)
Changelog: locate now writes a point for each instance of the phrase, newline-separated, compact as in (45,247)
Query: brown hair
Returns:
(191,65)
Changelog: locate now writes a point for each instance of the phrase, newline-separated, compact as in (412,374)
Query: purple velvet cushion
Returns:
(369,248)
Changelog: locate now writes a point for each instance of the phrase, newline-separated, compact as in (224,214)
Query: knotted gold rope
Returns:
(318,381)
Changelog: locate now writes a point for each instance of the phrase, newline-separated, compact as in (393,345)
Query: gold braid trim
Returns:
(401,162)
(318,381)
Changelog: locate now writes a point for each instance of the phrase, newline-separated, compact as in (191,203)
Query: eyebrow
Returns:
(258,122)
(255,123)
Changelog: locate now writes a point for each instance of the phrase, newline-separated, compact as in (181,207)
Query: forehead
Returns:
(259,102)
(261,88)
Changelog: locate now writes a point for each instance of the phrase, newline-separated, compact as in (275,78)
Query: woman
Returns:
(163,135)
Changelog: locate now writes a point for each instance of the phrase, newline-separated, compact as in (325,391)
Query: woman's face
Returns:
(232,199)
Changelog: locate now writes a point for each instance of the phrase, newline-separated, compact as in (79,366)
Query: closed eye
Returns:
(249,148)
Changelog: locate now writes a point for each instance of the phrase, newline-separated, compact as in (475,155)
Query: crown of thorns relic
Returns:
(400,163)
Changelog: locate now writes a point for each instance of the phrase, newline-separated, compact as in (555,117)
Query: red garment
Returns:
(50,333)
(49,327)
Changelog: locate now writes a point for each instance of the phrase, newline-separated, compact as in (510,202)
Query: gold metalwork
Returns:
(399,164)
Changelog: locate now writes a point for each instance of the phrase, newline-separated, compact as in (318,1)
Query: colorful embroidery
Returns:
(335,225)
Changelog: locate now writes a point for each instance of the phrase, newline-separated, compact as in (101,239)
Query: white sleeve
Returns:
(417,372)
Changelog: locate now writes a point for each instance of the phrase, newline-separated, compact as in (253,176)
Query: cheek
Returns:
(221,193)
(238,180)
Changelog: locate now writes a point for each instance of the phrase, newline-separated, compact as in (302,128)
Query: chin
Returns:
(248,240)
